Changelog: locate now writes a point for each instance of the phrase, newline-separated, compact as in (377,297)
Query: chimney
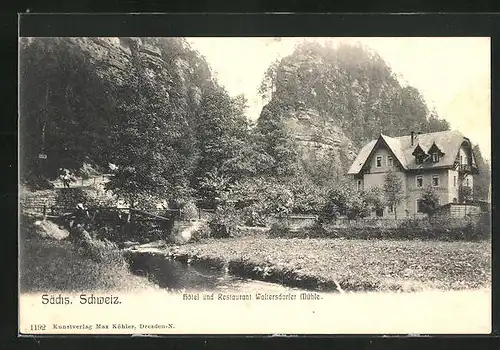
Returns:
(412,137)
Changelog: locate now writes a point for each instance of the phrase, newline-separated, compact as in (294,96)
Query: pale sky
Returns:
(453,74)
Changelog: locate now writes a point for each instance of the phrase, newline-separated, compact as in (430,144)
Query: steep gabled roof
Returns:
(396,148)
(361,158)
(448,142)
(435,149)
(393,144)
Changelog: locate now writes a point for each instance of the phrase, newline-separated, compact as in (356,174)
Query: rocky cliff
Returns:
(333,100)
(169,63)
(317,135)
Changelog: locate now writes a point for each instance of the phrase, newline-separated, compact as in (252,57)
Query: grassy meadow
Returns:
(381,265)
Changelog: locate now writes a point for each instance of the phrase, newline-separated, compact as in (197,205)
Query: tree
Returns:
(309,198)
(429,201)
(268,84)
(482,180)
(278,142)
(374,198)
(151,144)
(213,188)
(67,108)
(224,142)
(464,194)
(393,190)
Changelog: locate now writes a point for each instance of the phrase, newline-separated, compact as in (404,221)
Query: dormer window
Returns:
(435,153)
(419,154)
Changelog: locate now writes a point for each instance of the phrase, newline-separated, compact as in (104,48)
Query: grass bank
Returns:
(325,264)
(49,265)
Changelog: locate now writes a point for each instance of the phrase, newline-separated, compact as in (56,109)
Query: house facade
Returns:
(443,160)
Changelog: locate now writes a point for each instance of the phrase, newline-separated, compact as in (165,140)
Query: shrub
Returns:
(225,222)
(343,201)
(308,198)
(254,216)
(263,198)
(464,194)
(87,171)
(375,198)
(279,230)
(429,201)
(202,232)
(189,211)
(439,228)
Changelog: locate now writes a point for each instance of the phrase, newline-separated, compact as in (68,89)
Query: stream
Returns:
(174,275)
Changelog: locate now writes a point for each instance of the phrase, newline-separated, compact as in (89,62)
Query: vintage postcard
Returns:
(254,185)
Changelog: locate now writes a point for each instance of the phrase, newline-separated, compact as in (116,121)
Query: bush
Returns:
(279,230)
(189,211)
(282,230)
(225,222)
(254,216)
(344,201)
(202,232)
(446,228)
(87,171)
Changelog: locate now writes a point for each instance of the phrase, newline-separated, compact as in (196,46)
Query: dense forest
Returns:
(152,108)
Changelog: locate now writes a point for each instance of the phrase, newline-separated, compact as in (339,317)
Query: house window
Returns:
(390,209)
(379,161)
(419,206)
(455,181)
(435,180)
(359,185)
(379,212)
(390,162)
(467,182)
(435,157)
(420,181)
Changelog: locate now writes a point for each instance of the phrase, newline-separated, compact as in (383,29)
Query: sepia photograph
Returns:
(254,185)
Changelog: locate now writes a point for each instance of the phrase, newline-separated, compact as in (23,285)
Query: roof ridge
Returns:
(448,141)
